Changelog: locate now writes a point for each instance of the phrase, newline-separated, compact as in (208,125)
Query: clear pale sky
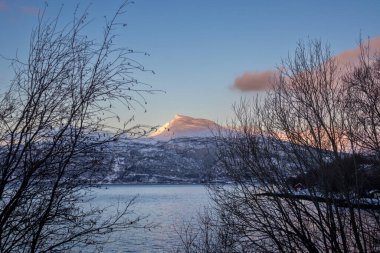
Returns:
(199,47)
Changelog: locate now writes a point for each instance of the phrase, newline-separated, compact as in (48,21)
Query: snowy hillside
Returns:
(180,160)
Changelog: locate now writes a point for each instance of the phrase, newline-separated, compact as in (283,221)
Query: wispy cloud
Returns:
(16,8)
(259,81)
(31,10)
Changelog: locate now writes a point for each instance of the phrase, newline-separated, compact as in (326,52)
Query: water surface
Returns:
(166,205)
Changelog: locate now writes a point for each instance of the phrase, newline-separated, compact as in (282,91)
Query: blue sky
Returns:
(198,48)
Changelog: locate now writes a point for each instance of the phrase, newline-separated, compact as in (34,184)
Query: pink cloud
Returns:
(31,10)
(259,81)
(254,81)
(352,55)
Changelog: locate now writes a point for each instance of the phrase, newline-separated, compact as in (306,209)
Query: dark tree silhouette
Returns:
(53,128)
(300,161)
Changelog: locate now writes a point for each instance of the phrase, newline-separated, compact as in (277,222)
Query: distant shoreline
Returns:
(156,184)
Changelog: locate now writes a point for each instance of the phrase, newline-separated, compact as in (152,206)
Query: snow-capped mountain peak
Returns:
(185,126)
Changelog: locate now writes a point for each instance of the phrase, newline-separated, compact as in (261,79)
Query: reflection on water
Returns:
(166,205)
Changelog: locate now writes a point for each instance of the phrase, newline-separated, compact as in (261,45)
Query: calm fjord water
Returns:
(166,205)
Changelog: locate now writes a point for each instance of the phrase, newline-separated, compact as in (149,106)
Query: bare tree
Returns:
(300,182)
(53,126)
(363,89)
(213,231)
